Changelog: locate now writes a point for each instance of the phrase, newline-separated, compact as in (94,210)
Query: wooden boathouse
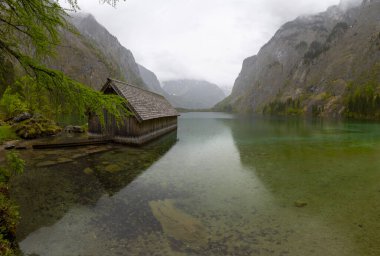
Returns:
(152,116)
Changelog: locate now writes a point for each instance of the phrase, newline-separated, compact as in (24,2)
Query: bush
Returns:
(12,103)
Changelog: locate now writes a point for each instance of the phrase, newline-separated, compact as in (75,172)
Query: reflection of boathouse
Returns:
(152,116)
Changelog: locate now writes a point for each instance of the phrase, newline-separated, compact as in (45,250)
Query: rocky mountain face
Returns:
(92,54)
(324,65)
(151,81)
(193,94)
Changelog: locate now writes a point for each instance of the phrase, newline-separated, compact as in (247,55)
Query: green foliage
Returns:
(36,21)
(36,24)
(13,165)
(287,108)
(363,102)
(7,74)
(34,97)
(29,32)
(362,99)
(9,215)
(69,97)
(7,133)
(12,103)
(316,110)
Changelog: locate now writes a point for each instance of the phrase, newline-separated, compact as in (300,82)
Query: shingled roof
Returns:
(144,104)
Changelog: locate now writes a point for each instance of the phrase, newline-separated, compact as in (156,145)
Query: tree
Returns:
(29,31)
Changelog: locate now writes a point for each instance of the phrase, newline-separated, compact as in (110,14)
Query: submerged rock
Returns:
(179,225)
(300,203)
(63,160)
(46,163)
(10,144)
(79,155)
(96,150)
(88,170)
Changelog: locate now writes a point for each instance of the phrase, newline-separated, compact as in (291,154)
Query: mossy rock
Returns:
(63,160)
(112,168)
(47,163)
(36,127)
(88,170)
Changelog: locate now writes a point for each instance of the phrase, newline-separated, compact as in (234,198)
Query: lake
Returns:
(222,185)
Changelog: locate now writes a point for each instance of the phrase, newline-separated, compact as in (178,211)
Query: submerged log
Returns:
(72,144)
(179,225)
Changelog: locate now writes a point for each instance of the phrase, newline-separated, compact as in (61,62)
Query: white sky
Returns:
(198,39)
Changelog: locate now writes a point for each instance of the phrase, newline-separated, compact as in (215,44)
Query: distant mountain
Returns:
(226,90)
(193,94)
(323,65)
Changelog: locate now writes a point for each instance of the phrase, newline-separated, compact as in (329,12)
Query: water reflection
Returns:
(45,194)
(331,166)
(227,187)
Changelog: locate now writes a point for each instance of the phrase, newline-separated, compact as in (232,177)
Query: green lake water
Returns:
(221,185)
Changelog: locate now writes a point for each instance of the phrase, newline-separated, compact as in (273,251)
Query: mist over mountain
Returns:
(93,54)
(320,64)
(193,94)
(347,4)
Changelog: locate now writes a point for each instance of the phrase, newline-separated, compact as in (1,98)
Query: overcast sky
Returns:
(199,39)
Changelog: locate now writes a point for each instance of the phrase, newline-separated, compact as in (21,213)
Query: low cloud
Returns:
(346,4)
(200,39)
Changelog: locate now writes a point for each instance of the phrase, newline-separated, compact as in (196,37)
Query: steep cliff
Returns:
(323,65)
(92,54)
(193,94)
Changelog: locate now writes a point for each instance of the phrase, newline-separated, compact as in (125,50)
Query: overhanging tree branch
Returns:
(34,37)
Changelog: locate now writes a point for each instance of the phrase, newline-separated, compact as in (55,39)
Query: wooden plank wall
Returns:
(129,127)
